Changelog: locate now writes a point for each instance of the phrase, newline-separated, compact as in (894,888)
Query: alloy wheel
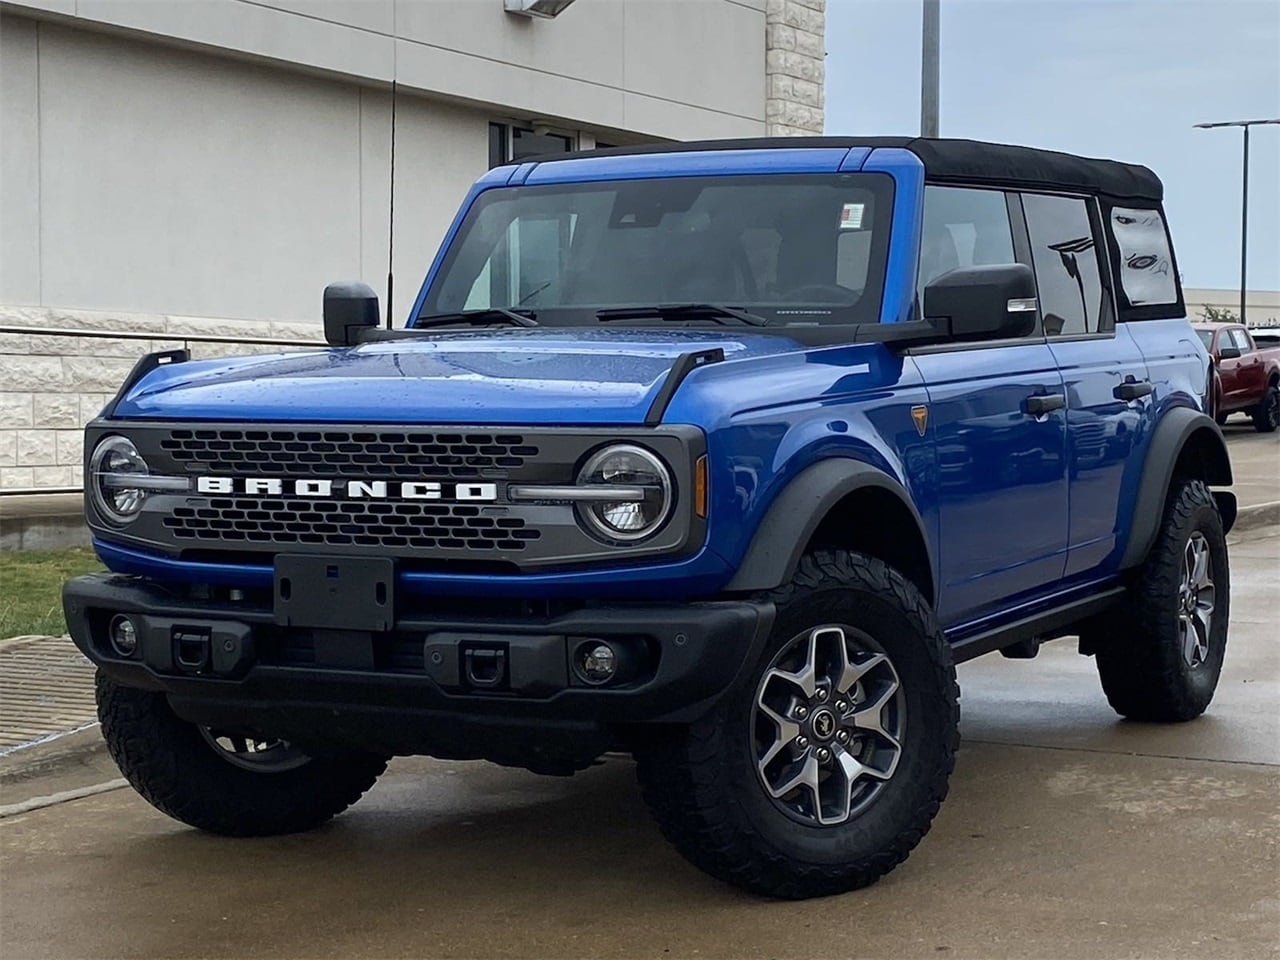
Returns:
(1196,600)
(827,724)
(254,753)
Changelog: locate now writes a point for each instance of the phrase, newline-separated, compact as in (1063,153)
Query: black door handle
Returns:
(1133,389)
(1041,403)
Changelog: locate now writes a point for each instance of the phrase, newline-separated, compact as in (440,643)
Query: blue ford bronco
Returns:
(721,454)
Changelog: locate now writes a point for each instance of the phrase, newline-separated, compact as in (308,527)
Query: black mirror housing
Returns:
(990,302)
(1228,353)
(350,309)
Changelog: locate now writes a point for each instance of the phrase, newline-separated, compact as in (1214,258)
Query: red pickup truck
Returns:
(1246,375)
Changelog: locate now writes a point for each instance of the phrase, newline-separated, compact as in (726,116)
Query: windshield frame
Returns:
(796,318)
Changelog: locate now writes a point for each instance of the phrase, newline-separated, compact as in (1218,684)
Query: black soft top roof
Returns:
(968,161)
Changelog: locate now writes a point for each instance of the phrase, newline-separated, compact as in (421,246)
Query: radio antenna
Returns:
(391,211)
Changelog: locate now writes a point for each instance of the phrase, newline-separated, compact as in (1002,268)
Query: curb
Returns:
(1257,515)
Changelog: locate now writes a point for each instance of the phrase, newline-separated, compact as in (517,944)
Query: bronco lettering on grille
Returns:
(350,489)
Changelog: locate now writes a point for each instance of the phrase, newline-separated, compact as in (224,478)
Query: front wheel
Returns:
(225,781)
(822,770)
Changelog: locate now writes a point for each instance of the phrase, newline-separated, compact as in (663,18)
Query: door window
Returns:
(1241,340)
(962,228)
(1065,255)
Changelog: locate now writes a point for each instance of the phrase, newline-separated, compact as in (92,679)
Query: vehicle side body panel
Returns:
(1107,437)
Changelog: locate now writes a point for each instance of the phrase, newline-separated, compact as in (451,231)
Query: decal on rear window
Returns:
(1146,266)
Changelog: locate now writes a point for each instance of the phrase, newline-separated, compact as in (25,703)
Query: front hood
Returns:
(564,376)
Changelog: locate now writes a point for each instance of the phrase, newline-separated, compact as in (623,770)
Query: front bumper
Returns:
(410,689)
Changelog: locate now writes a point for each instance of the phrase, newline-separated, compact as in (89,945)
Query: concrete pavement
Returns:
(1255,462)
(1068,833)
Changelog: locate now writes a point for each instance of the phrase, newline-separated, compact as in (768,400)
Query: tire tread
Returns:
(1139,664)
(683,782)
(173,768)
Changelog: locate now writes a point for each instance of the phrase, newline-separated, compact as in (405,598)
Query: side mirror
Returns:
(1228,353)
(349,309)
(993,302)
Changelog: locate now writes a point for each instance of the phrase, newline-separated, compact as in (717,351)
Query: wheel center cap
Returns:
(823,725)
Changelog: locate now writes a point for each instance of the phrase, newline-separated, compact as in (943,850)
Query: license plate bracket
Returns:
(338,593)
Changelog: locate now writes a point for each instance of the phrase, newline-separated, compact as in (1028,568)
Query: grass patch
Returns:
(31,588)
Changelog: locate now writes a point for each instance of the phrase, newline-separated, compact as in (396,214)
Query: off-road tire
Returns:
(700,780)
(1266,415)
(1139,649)
(171,764)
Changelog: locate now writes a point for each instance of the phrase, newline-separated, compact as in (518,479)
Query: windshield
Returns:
(1207,337)
(788,249)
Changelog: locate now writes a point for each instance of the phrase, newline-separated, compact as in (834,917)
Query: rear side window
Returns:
(963,228)
(1146,266)
(1065,255)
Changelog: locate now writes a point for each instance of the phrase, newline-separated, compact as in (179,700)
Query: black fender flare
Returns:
(1172,434)
(793,517)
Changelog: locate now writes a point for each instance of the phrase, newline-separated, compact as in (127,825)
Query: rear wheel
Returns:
(1266,416)
(225,781)
(1160,655)
(824,768)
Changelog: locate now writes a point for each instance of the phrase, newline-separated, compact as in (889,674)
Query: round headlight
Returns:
(644,493)
(115,462)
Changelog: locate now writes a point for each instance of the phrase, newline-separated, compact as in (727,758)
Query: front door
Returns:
(998,412)
(1230,371)
(1002,477)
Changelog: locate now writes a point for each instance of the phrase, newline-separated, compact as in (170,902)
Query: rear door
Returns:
(1002,493)
(1109,406)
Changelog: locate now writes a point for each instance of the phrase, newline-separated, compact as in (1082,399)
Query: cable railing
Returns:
(158,336)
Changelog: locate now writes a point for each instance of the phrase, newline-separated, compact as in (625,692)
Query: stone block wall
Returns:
(51,386)
(795,67)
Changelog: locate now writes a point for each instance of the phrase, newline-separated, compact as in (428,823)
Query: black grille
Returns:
(414,526)
(364,454)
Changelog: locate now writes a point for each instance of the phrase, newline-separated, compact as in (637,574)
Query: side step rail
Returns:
(1042,625)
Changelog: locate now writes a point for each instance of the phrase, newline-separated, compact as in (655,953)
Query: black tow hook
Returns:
(191,650)
(485,668)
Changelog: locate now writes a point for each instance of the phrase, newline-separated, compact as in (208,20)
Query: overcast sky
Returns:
(1111,78)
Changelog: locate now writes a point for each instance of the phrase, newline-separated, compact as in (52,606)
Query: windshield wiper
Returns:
(476,318)
(682,311)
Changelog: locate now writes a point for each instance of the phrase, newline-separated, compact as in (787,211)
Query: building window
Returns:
(508,143)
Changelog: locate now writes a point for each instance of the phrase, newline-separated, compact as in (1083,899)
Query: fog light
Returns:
(124,636)
(597,663)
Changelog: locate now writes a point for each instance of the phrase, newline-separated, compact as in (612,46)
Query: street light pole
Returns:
(1244,225)
(929,42)
(1244,200)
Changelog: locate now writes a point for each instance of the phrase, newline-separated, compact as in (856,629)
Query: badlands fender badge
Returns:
(920,415)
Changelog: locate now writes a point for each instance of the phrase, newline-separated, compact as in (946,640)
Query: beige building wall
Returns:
(207,166)
(1262,307)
